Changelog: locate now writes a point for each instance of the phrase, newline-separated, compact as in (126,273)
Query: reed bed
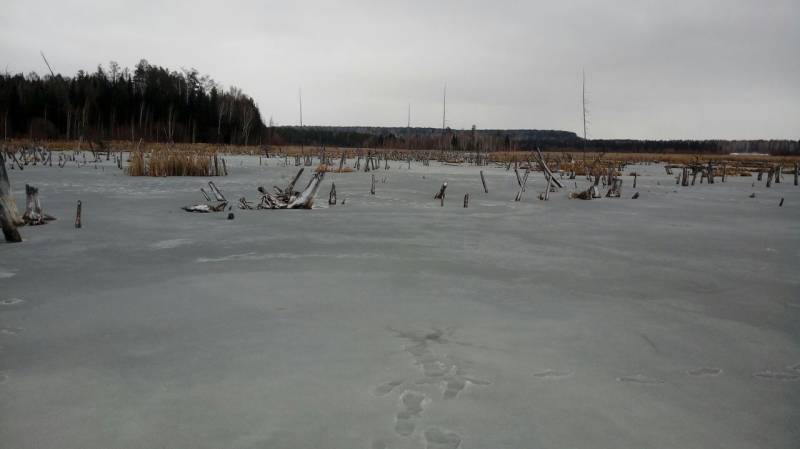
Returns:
(176,163)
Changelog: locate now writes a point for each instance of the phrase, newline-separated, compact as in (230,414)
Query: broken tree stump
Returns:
(441,194)
(78,216)
(372,188)
(332,195)
(33,215)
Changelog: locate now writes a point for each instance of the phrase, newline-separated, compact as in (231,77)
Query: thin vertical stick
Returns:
(78,216)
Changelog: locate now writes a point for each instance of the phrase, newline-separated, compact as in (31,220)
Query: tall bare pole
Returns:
(47,63)
(408,129)
(444,116)
(583,101)
(300,97)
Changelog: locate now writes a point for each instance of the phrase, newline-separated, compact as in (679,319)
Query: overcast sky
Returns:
(654,69)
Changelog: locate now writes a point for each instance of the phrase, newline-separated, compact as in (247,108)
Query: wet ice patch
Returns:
(553,374)
(436,438)
(11,301)
(704,372)
(640,379)
(5,274)
(171,243)
(777,375)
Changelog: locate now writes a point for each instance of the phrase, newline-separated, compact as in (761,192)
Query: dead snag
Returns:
(519,180)
(616,189)
(217,193)
(685,177)
(78,216)
(543,163)
(710,173)
(486,190)
(205,194)
(466,200)
(33,215)
(778,174)
(332,195)
(634,179)
(724,171)
(635,196)
(290,187)
(769,177)
(796,172)
(6,197)
(10,231)
(440,195)
(781,203)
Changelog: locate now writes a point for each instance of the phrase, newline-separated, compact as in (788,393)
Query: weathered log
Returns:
(588,194)
(306,198)
(546,169)
(205,194)
(201,208)
(217,193)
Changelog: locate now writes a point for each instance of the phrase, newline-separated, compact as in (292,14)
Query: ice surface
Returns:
(670,321)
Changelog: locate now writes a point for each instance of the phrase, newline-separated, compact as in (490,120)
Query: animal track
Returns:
(777,375)
(406,420)
(553,374)
(640,379)
(436,438)
(704,372)
(386,388)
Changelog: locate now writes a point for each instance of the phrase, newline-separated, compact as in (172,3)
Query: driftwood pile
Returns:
(280,198)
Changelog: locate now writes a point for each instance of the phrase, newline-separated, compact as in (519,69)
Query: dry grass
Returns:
(175,163)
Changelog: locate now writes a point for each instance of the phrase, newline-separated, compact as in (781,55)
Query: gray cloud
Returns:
(655,69)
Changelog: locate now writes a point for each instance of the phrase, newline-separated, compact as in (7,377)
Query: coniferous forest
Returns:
(149,102)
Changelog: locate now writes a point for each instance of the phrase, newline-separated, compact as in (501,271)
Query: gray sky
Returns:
(655,69)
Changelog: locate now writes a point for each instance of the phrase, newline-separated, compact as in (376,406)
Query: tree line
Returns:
(149,102)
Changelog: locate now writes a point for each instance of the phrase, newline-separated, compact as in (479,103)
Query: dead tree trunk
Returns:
(634,179)
(466,200)
(10,214)
(332,195)
(372,189)
(440,195)
(796,172)
(485,190)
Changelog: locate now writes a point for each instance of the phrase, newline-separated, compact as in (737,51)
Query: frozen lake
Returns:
(671,321)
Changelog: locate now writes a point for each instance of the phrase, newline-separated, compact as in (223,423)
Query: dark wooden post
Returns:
(78,216)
